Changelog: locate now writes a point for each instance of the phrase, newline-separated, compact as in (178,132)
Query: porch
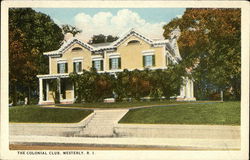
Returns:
(48,84)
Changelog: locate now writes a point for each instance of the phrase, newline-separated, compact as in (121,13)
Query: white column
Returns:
(192,88)
(182,91)
(104,60)
(59,88)
(187,89)
(40,90)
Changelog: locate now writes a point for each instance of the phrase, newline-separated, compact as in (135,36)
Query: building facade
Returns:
(131,51)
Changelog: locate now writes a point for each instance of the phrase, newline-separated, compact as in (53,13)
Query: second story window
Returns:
(115,63)
(77,64)
(148,60)
(98,65)
(62,67)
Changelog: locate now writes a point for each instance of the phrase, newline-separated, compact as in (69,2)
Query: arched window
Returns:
(76,49)
(133,42)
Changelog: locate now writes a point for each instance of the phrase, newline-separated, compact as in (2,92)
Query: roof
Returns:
(101,44)
(105,46)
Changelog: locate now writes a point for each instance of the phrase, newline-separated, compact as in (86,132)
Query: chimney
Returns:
(68,36)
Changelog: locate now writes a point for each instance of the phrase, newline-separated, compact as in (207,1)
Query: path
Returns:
(102,123)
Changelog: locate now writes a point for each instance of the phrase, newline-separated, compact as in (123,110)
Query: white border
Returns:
(173,155)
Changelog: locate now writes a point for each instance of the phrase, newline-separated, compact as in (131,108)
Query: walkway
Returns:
(102,123)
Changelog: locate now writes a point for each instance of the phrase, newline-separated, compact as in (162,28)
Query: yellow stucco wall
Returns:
(69,56)
(68,95)
(131,54)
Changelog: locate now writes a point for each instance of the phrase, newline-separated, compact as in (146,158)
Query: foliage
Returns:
(54,83)
(91,86)
(70,29)
(46,115)
(226,113)
(102,39)
(30,34)
(211,38)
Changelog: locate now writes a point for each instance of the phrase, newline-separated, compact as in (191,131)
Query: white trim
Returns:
(61,61)
(77,60)
(148,54)
(113,54)
(40,90)
(96,58)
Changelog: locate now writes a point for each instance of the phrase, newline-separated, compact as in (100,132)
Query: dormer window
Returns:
(76,49)
(133,42)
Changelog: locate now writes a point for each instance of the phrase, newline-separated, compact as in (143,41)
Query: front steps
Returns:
(102,124)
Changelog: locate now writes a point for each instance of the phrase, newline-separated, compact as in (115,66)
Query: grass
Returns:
(226,113)
(122,104)
(35,114)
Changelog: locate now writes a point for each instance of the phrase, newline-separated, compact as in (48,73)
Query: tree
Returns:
(102,39)
(210,47)
(30,34)
(70,29)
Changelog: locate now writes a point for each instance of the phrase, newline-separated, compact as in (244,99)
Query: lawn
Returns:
(38,114)
(122,104)
(226,113)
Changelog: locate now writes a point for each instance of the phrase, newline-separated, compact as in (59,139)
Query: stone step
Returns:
(102,123)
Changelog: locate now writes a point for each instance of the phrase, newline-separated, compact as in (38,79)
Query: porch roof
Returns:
(51,76)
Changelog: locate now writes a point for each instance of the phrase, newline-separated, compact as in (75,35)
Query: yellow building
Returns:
(131,51)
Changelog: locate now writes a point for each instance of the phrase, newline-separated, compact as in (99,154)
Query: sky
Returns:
(114,21)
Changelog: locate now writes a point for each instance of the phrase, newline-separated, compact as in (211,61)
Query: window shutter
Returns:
(110,64)
(58,68)
(101,65)
(74,66)
(80,66)
(119,63)
(144,60)
(153,60)
(66,67)
(93,64)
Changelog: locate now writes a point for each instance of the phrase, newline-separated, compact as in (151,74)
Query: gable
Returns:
(134,41)
(76,50)
(130,34)
(72,42)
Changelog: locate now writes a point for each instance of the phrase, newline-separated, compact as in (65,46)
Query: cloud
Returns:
(108,24)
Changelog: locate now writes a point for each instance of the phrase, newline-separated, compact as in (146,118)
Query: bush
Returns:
(133,85)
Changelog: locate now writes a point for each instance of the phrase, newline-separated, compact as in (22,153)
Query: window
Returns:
(133,42)
(62,67)
(77,66)
(76,49)
(115,63)
(148,60)
(98,65)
